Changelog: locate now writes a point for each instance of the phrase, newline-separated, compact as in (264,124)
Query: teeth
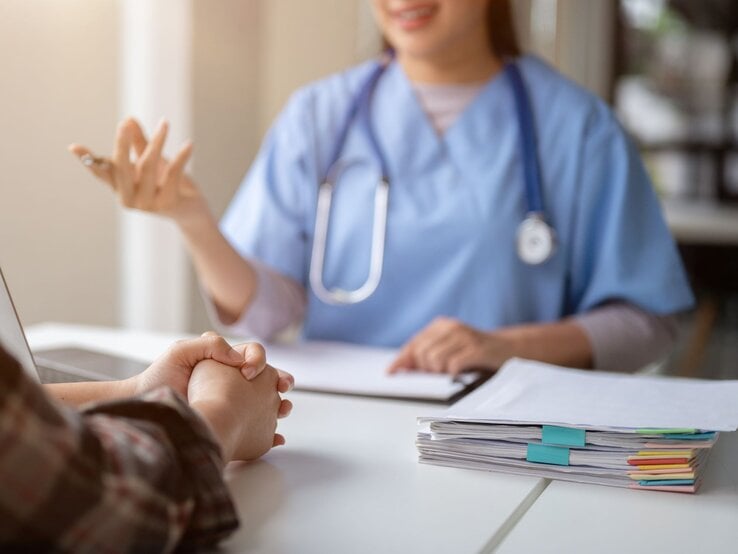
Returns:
(416,13)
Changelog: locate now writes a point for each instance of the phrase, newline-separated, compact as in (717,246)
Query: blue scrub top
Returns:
(454,208)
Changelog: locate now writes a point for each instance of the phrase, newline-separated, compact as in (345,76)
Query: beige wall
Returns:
(226,105)
(301,42)
(57,226)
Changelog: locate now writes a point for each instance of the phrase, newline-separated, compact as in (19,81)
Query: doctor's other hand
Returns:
(449,346)
(142,178)
(242,414)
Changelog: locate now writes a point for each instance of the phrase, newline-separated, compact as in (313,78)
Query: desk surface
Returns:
(568,517)
(348,479)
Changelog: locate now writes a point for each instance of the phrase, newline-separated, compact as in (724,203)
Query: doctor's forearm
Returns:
(562,343)
(228,279)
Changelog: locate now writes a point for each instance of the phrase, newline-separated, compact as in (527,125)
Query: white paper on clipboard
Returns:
(361,370)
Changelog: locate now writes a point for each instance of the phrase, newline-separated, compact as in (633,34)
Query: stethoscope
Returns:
(535,240)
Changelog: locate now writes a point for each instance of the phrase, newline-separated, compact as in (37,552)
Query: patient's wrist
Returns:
(221,425)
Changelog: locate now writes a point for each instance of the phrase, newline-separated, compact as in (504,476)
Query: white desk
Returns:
(570,517)
(348,479)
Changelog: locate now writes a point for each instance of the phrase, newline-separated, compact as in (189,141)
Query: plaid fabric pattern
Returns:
(138,475)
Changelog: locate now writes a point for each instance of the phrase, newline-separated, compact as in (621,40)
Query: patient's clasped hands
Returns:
(232,388)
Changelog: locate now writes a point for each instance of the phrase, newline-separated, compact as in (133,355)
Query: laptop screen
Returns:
(12,337)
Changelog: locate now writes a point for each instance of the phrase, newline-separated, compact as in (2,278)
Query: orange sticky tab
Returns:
(650,467)
(638,461)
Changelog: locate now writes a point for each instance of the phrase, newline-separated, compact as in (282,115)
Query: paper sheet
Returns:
(536,393)
(350,369)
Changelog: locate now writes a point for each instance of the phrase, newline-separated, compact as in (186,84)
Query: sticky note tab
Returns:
(545,454)
(666,482)
(693,437)
(566,436)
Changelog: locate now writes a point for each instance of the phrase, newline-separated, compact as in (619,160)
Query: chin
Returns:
(416,46)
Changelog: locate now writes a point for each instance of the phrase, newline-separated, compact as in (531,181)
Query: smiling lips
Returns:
(414,17)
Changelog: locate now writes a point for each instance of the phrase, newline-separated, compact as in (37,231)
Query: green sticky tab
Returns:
(666,431)
(566,436)
(545,454)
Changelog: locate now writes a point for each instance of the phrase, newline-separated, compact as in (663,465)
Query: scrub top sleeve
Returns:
(266,219)
(625,338)
(278,304)
(622,249)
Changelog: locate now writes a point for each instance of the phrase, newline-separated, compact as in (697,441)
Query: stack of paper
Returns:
(651,433)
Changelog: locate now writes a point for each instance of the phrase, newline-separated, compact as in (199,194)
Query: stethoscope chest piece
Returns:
(536,240)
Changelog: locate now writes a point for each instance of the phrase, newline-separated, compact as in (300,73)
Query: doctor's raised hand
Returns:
(143,179)
(146,181)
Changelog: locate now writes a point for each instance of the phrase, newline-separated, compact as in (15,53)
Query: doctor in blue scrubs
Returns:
(454,198)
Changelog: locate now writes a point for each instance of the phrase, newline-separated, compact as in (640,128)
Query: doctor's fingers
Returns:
(102,170)
(407,359)
(147,168)
(123,170)
(138,137)
(432,344)
(403,361)
(435,358)
(466,358)
(169,191)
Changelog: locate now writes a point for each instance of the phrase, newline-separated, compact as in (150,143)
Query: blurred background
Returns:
(220,71)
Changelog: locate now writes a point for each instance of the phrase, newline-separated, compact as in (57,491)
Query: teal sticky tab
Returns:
(695,437)
(663,482)
(546,454)
(566,436)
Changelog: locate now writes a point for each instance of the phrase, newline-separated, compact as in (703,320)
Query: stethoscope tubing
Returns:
(320,239)
(528,143)
(360,109)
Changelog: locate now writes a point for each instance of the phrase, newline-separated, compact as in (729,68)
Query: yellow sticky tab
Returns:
(662,476)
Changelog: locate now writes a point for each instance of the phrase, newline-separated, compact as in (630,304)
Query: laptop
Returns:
(58,365)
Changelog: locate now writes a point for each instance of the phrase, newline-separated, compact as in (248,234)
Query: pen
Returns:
(88,160)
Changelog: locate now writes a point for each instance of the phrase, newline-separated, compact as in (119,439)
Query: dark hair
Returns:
(501,29)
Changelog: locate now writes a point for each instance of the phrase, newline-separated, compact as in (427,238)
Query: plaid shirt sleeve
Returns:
(138,475)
